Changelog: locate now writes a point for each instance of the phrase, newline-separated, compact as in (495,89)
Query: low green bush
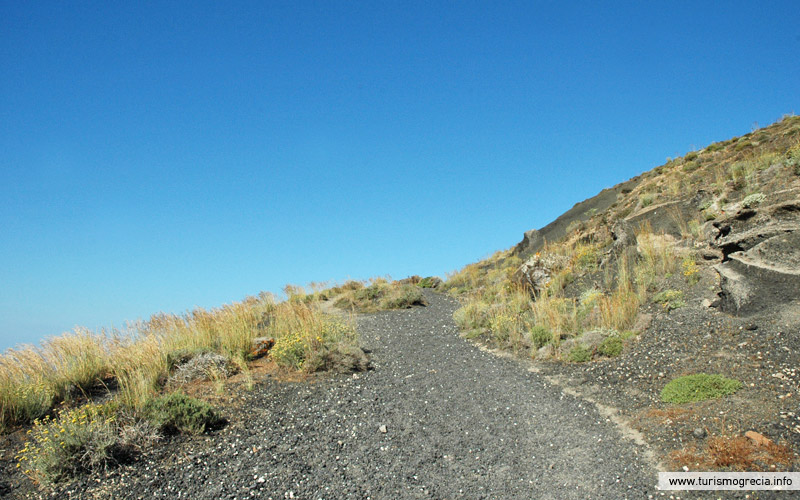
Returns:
(753,200)
(540,336)
(75,440)
(670,299)
(176,412)
(611,346)
(580,354)
(401,297)
(698,387)
(381,296)
(429,282)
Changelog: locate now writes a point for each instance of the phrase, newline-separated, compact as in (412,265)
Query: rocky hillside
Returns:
(689,270)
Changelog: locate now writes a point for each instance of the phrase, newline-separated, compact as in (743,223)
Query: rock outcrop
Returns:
(535,273)
(760,265)
(534,240)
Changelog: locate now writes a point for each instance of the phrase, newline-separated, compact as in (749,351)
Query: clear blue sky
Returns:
(165,155)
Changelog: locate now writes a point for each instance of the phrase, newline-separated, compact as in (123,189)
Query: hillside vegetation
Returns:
(606,264)
(692,266)
(96,398)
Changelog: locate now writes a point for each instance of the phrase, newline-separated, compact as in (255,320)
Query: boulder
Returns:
(260,347)
(200,366)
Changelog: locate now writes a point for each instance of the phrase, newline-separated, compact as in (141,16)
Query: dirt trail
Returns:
(436,418)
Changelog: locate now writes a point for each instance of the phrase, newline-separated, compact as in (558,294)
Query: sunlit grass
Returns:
(33,379)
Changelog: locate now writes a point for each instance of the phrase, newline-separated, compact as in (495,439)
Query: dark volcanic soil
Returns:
(436,418)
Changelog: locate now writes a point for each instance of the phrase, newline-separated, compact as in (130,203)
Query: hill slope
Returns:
(690,268)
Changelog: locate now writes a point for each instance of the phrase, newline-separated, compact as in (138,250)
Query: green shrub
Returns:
(580,354)
(691,166)
(429,282)
(670,299)
(698,387)
(401,297)
(76,440)
(691,271)
(381,296)
(540,336)
(290,350)
(646,199)
(472,315)
(611,346)
(586,258)
(177,412)
(753,200)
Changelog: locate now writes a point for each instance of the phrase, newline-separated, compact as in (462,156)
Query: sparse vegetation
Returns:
(611,347)
(691,271)
(429,282)
(698,387)
(497,307)
(753,200)
(514,318)
(580,354)
(178,413)
(735,453)
(540,336)
(670,299)
(75,440)
(137,362)
(380,295)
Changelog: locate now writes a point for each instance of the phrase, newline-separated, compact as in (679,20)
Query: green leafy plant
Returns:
(698,387)
(580,354)
(611,346)
(670,299)
(290,350)
(75,440)
(753,200)
(429,282)
(540,336)
(646,199)
(690,270)
(178,413)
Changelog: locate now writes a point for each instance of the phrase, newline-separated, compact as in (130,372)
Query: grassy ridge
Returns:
(594,287)
(34,379)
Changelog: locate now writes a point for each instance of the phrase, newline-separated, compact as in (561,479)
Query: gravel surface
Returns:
(437,417)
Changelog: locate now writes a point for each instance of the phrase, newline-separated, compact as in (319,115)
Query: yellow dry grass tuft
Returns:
(34,379)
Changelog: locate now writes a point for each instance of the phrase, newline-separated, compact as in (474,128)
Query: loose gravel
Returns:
(436,417)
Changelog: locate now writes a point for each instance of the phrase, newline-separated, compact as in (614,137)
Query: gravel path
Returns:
(436,418)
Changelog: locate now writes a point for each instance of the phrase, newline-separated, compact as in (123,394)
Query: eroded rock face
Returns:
(623,235)
(760,266)
(535,273)
(532,241)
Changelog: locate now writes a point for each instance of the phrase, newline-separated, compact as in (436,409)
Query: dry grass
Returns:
(509,313)
(736,453)
(34,379)
(380,295)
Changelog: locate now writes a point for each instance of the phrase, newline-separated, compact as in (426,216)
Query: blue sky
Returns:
(156,156)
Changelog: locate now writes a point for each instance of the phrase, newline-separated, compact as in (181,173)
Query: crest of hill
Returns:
(668,196)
